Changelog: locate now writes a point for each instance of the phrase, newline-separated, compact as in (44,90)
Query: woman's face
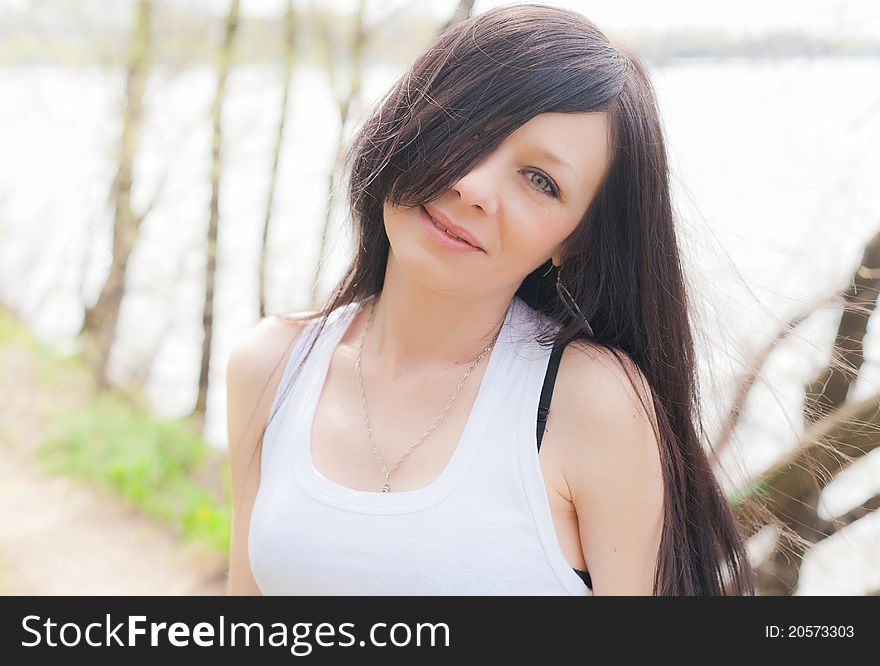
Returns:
(518,206)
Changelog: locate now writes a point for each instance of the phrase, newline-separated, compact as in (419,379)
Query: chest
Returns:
(415,433)
(409,425)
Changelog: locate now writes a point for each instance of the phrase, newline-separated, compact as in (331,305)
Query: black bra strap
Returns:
(547,390)
(544,411)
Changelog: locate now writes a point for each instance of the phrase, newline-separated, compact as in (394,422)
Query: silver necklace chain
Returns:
(387,472)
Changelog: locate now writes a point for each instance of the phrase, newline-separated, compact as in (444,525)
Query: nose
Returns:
(480,187)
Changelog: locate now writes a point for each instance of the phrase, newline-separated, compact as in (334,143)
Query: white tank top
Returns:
(482,527)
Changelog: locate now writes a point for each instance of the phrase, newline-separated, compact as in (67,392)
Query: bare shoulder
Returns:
(254,369)
(264,344)
(598,381)
(261,343)
(253,372)
(611,460)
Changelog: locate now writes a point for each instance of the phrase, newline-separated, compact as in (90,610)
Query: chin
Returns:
(411,261)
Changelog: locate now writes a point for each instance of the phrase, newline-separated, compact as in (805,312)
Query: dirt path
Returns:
(61,536)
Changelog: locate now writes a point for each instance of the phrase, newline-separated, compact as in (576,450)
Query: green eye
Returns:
(543,183)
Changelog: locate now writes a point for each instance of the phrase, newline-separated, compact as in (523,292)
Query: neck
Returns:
(418,329)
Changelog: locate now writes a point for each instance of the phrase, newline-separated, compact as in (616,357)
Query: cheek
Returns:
(534,239)
(391,215)
(398,222)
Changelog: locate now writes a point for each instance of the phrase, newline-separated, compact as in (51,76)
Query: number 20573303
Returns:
(809,631)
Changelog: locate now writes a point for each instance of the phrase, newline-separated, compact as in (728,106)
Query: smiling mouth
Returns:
(445,230)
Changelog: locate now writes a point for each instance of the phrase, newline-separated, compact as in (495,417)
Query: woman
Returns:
(509,195)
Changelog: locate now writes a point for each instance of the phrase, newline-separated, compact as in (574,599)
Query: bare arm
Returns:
(253,374)
(612,466)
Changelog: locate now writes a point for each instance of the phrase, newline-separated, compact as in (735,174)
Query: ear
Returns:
(556,259)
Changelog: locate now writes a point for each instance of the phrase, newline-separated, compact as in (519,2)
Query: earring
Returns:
(569,302)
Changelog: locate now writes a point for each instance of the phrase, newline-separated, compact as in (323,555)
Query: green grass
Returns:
(153,463)
(159,466)
(53,369)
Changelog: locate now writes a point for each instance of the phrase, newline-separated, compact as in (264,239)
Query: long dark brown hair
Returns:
(479,81)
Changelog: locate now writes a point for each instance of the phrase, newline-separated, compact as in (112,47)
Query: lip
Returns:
(458,231)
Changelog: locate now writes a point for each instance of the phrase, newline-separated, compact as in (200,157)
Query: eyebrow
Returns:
(550,157)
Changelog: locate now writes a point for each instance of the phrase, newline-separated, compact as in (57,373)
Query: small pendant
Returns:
(386,488)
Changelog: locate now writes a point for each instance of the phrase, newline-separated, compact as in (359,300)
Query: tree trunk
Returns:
(287,71)
(837,432)
(830,388)
(345,103)
(790,490)
(853,435)
(100,320)
(214,221)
